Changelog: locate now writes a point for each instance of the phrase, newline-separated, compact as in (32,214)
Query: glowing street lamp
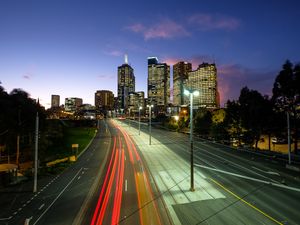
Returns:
(191,94)
(150,106)
(140,108)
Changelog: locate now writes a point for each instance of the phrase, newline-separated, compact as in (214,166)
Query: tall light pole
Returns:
(191,94)
(129,118)
(150,106)
(140,108)
(289,136)
(36,152)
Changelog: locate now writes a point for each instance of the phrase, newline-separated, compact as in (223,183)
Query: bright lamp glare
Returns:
(196,93)
(186,92)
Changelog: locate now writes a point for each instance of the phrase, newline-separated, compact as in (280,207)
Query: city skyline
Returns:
(72,49)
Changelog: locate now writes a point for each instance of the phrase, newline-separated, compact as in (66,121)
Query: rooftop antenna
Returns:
(126,58)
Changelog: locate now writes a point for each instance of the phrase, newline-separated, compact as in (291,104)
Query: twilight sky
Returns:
(73,47)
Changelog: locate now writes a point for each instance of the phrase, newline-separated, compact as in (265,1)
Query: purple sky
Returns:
(73,48)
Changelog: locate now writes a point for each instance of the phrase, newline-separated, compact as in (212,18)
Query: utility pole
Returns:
(36,152)
(289,135)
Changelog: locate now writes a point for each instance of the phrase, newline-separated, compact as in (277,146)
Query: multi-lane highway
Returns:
(256,190)
(121,179)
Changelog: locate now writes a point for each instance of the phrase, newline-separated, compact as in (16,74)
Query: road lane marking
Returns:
(233,163)
(125,184)
(249,178)
(78,177)
(268,172)
(41,206)
(57,197)
(247,203)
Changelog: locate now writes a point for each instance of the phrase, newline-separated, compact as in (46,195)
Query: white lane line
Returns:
(268,172)
(24,205)
(82,172)
(19,209)
(78,177)
(41,206)
(8,218)
(250,178)
(15,213)
(231,162)
(28,201)
(63,190)
(126,185)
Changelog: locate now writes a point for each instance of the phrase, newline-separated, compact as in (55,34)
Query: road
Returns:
(109,184)
(257,190)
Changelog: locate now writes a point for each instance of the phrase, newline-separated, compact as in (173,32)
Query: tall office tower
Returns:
(180,76)
(72,104)
(204,79)
(158,84)
(126,83)
(55,101)
(136,100)
(104,100)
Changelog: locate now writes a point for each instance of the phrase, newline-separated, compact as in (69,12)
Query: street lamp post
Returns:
(150,106)
(129,118)
(191,94)
(140,119)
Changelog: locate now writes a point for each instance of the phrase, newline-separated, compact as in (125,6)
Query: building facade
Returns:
(104,99)
(204,79)
(55,100)
(158,84)
(72,104)
(126,84)
(136,100)
(180,76)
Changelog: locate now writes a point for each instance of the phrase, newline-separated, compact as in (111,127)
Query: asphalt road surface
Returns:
(260,183)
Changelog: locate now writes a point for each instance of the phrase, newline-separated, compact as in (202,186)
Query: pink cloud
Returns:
(136,28)
(165,29)
(206,22)
(114,53)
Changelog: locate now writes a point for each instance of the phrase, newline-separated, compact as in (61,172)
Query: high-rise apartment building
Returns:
(180,76)
(55,101)
(158,84)
(104,99)
(204,79)
(72,104)
(126,83)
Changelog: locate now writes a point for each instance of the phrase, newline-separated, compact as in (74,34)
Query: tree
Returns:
(286,94)
(232,120)
(255,112)
(203,122)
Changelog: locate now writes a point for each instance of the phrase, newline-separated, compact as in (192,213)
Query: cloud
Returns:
(205,22)
(233,77)
(27,76)
(164,29)
(114,53)
(106,77)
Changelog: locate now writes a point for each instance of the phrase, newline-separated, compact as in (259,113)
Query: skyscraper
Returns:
(180,76)
(72,104)
(104,99)
(204,79)
(55,101)
(158,84)
(126,83)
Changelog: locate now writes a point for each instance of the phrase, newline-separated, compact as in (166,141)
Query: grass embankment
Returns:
(78,135)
